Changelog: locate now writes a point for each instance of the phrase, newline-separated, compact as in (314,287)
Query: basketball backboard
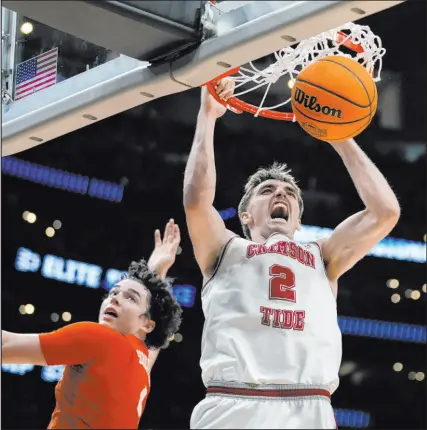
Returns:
(110,82)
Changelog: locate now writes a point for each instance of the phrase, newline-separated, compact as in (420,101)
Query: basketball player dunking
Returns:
(271,345)
(107,378)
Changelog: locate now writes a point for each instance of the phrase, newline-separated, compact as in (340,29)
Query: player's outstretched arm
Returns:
(353,238)
(21,349)
(161,260)
(76,343)
(206,227)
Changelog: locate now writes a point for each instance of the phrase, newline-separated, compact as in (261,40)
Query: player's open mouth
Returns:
(279,212)
(110,312)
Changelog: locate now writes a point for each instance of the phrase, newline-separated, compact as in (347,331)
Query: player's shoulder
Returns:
(318,245)
(137,344)
(115,345)
(102,332)
(93,326)
(232,238)
(311,245)
(230,235)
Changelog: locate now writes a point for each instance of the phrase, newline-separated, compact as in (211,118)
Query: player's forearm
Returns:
(370,183)
(161,273)
(21,349)
(6,337)
(200,172)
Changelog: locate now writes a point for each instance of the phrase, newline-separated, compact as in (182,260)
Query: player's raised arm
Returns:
(164,253)
(353,238)
(73,344)
(161,260)
(206,227)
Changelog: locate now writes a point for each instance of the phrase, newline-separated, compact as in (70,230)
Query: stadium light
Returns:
(393,283)
(31,218)
(26,28)
(408,293)
(411,376)
(397,367)
(419,376)
(66,316)
(395,298)
(29,309)
(50,232)
(415,295)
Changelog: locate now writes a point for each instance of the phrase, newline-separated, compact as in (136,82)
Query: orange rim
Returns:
(239,106)
(348,44)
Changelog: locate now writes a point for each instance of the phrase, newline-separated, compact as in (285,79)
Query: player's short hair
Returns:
(163,309)
(277,171)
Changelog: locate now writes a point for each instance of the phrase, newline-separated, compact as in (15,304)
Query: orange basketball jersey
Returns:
(105,383)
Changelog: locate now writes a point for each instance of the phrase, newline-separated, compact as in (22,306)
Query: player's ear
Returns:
(299,224)
(148,325)
(246,218)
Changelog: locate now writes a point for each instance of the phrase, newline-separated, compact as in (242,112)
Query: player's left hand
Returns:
(164,254)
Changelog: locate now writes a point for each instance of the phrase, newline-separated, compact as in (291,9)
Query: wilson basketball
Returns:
(334,98)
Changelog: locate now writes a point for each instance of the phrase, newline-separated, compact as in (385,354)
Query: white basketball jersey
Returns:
(271,316)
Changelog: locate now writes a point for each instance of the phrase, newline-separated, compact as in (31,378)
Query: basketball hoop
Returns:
(364,45)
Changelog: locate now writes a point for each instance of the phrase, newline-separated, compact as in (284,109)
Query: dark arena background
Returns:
(77,209)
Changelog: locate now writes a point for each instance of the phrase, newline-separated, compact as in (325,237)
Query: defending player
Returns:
(271,347)
(107,378)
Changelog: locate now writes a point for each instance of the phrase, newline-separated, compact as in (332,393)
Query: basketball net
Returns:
(364,45)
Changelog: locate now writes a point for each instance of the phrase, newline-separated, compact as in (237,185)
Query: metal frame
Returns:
(124,83)
(143,35)
(8,46)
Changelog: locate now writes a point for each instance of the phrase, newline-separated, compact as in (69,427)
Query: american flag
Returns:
(36,74)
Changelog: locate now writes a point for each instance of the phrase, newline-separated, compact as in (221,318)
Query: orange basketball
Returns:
(334,98)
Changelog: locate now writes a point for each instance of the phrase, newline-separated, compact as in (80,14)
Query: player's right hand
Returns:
(225,90)
(164,254)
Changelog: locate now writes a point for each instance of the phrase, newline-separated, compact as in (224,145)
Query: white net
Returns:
(367,50)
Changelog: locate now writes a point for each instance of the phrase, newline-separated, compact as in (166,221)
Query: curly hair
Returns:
(278,171)
(163,309)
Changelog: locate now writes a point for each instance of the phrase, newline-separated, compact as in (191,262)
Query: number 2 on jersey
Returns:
(282,283)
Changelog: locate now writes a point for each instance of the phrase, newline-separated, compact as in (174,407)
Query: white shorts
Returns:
(234,405)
